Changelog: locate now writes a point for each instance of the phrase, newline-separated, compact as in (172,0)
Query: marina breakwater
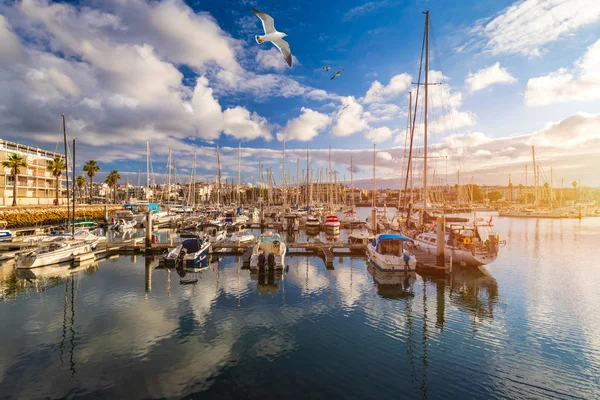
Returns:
(38,216)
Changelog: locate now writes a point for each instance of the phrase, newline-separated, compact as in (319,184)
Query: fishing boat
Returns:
(191,251)
(391,252)
(269,251)
(468,244)
(60,249)
(242,237)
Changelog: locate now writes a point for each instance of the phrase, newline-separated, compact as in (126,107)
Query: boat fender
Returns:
(467,240)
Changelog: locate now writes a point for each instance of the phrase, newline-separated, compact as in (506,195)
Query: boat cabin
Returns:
(391,244)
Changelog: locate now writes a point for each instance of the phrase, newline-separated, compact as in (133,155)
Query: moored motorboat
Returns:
(60,249)
(269,251)
(242,237)
(360,235)
(391,252)
(191,251)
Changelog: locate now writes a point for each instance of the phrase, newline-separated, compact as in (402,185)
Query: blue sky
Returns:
(188,75)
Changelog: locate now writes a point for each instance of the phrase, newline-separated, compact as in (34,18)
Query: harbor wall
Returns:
(20,217)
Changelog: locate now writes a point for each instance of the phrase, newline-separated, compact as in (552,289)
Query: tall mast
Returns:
(73,224)
(147,169)
(138,184)
(535,176)
(193,183)
(218,182)
(352,181)
(374,181)
(66,168)
(329,183)
(425,197)
(239,171)
(283,185)
(169,162)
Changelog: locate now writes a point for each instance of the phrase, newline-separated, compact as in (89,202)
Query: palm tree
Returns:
(56,166)
(91,167)
(15,162)
(80,182)
(111,180)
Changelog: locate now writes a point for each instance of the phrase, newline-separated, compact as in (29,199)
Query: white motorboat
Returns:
(269,251)
(360,235)
(313,223)
(469,244)
(215,233)
(391,252)
(350,216)
(189,252)
(122,225)
(61,249)
(124,214)
(242,237)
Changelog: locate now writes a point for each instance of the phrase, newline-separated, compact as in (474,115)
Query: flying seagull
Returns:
(336,74)
(343,109)
(326,68)
(273,36)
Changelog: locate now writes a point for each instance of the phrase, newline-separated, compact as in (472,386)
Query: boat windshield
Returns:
(191,245)
(393,247)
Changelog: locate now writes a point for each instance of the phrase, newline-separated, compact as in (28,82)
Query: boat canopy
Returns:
(391,243)
(191,245)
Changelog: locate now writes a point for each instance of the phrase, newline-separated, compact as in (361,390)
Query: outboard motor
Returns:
(261,260)
(271,260)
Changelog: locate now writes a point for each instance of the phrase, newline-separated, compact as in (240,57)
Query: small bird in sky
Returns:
(273,36)
(343,109)
(327,68)
(336,74)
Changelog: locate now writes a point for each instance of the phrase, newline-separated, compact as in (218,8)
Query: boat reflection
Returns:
(393,284)
(269,280)
(474,290)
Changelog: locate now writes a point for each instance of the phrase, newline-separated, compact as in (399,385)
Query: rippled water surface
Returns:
(527,326)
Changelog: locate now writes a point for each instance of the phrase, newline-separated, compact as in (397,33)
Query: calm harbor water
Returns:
(527,326)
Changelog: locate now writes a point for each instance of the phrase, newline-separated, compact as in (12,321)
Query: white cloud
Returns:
(379,135)
(305,127)
(488,76)
(580,83)
(239,123)
(272,59)
(383,112)
(453,120)
(528,25)
(384,155)
(364,9)
(379,93)
(350,118)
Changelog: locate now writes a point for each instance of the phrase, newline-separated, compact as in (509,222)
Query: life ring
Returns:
(467,240)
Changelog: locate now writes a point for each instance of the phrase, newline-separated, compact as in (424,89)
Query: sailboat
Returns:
(465,243)
(332,223)
(350,215)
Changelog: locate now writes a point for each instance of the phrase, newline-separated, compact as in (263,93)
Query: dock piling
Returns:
(148,229)
(441,243)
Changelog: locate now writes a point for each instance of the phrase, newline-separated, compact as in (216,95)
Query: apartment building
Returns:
(35,184)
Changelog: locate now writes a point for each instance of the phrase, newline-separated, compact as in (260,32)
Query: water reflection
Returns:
(393,285)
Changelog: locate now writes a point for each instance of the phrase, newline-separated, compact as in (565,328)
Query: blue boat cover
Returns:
(390,236)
